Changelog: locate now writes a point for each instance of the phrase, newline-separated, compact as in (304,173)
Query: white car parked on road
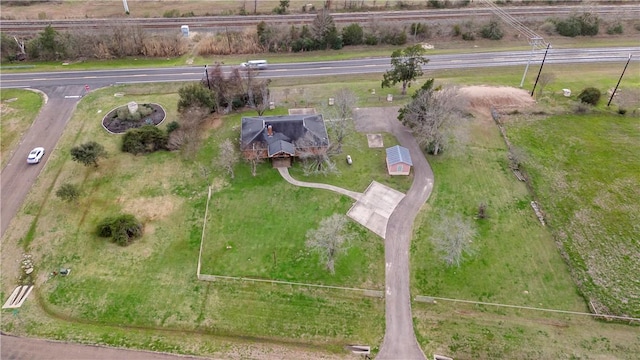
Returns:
(35,155)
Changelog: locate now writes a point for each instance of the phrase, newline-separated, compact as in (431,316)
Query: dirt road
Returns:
(399,339)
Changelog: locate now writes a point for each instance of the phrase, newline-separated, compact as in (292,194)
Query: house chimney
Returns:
(269,131)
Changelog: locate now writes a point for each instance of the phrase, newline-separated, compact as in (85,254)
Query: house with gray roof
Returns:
(398,160)
(282,138)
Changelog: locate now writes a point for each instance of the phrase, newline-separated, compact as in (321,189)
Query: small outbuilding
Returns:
(398,160)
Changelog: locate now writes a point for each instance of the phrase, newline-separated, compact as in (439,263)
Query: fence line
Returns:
(422,298)
(367,292)
(204,224)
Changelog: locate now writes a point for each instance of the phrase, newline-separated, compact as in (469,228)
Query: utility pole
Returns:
(535,40)
(206,73)
(614,90)
(540,71)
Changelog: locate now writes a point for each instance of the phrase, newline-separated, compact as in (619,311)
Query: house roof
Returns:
(398,154)
(281,146)
(287,128)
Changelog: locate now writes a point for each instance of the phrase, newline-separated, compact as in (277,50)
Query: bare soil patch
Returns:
(483,98)
(149,209)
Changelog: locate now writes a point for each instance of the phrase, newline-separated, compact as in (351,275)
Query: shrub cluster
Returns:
(615,29)
(116,41)
(492,31)
(585,24)
(145,139)
(68,192)
(122,229)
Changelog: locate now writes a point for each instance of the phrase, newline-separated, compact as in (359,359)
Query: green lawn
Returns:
(146,295)
(19,110)
(586,171)
(516,261)
(152,283)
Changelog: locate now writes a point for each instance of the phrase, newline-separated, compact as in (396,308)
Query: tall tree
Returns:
(330,239)
(88,153)
(406,67)
(324,31)
(431,115)
(47,46)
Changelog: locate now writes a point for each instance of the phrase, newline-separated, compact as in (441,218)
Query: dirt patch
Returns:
(6,109)
(483,98)
(212,122)
(149,209)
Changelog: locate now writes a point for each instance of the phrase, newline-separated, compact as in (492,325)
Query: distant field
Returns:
(157,8)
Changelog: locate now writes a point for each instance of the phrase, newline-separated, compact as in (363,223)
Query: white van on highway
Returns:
(255,64)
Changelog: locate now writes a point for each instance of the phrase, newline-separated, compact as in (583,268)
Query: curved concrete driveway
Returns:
(399,339)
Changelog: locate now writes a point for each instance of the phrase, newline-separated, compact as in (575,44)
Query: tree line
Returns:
(124,40)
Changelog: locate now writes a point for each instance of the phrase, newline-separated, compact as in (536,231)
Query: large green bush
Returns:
(122,229)
(590,95)
(585,24)
(145,139)
(353,35)
(195,95)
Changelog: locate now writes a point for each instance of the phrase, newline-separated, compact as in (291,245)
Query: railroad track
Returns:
(221,23)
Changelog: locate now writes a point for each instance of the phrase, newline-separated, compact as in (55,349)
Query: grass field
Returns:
(19,109)
(146,295)
(587,182)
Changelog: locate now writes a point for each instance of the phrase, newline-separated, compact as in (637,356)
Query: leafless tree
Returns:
(544,80)
(330,239)
(257,92)
(341,113)
(228,157)
(315,159)
(431,115)
(453,238)
(254,160)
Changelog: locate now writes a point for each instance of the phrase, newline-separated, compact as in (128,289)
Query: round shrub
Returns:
(122,229)
(590,96)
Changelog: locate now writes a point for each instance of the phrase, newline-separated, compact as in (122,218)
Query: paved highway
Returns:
(101,78)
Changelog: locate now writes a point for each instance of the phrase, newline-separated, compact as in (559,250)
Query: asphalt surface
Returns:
(15,348)
(399,339)
(17,177)
(102,78)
